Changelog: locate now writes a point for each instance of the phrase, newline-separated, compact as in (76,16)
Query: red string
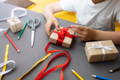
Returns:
(44,72)
(62,33)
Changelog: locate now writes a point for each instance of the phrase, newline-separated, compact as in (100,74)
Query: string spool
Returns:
(15,24)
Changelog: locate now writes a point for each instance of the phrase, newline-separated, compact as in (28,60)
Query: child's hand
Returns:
(51,21)
(49,15)
(85,33)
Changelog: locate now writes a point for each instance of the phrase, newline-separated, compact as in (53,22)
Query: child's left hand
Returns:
(85,33)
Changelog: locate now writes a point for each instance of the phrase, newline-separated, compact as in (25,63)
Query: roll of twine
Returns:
(14,18)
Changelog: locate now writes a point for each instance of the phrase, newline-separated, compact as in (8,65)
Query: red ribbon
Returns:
(62,33)
(44,72)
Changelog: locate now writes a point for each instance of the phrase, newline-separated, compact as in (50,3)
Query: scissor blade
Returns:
(32,37)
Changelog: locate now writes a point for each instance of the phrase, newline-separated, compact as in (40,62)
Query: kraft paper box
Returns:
(15,24)
(99,51)
(66,42)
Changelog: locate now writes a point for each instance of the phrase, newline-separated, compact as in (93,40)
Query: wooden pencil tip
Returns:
(72,70)
(18,51)
(111,71)
(93,76)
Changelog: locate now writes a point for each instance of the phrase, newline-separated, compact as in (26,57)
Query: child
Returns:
(91,15)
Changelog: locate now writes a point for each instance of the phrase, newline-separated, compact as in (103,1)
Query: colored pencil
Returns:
(21,32)
(11,41)
(114,70)
(99,77)
(77,75)
(5,60)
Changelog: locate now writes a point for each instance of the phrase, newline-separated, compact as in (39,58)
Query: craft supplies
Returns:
(17,9)
(114,70)
(15,24)
(11,41)
(33,24)
(5,60)
(101,51)
(12,65)
(77,75)
(44,72)
(99,77)
(34,66)
(62,37)
(23,29)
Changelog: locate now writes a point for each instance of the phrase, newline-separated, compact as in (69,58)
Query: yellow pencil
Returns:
(77,75)
(5,60)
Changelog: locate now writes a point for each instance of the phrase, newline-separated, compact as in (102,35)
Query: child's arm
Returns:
(86,34)
(49,15)
(108,35)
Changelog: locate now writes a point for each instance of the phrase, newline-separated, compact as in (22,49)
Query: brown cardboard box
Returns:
(98,51)
(66,42)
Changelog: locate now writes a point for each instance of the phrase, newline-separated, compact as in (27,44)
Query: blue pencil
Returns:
(101,78)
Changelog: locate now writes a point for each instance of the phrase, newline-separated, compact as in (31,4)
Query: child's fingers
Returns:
(56,24)
(48,27)
(77,30)
(81,36)
(81,28)
(74,28)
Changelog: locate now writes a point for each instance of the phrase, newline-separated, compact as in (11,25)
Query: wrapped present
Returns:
(101,51)
(15,24)
(63,37)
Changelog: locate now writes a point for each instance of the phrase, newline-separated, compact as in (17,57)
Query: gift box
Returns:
(63,37)
(98,51)
(15,24)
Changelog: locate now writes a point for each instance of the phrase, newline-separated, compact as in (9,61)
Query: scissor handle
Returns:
(33,23)
(36,22)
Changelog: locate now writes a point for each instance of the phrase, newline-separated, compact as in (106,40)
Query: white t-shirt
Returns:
(99,15)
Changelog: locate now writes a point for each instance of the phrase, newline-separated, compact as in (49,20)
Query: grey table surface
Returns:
(30,55)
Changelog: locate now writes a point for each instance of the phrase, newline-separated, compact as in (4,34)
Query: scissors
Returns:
(33,24)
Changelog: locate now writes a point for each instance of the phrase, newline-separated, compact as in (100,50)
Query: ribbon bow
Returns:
(62,33)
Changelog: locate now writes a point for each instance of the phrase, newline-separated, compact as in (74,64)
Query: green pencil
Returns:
(21,32)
